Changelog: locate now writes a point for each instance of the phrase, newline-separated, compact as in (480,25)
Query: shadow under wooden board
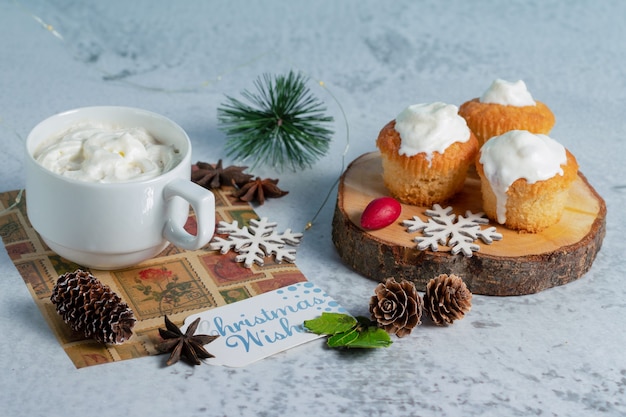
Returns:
(520,263)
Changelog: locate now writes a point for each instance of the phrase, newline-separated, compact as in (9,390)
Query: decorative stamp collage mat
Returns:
(177,283)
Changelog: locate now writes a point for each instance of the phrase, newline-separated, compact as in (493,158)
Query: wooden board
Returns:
(520,263)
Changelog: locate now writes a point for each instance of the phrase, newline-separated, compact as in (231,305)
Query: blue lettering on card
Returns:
(259,330)
(259,338)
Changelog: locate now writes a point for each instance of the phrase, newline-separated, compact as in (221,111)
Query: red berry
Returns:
(380,212)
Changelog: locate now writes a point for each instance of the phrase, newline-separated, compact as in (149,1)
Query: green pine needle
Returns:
(283,125)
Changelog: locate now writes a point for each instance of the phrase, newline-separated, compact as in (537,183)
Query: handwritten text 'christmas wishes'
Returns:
(261,326)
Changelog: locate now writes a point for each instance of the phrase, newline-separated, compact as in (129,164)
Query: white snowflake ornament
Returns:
(442,229)
(256,242)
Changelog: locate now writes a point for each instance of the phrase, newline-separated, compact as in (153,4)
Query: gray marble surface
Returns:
(556,353)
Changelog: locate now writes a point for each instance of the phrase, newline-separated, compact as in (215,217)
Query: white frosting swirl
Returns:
(519,154)
(429,128)
(508,94)
(101,153)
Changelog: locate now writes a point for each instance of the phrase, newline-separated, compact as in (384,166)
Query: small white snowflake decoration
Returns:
(459,235)
(256,242)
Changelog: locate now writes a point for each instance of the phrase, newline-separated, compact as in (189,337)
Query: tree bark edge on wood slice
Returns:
(379,255)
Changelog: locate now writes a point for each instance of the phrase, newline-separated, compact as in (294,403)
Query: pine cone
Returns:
(396,307)
(447,299)
(88,306)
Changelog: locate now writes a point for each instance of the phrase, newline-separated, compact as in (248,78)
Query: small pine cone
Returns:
(92,308)
(396,307)
(447,299)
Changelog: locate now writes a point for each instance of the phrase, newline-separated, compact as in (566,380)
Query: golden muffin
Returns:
(426,152)
(506,106)
(525,179)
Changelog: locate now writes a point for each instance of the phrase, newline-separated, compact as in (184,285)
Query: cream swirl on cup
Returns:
(107,154)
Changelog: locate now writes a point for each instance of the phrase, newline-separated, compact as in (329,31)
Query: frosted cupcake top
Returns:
(430,128)
(519,154)
(508,94)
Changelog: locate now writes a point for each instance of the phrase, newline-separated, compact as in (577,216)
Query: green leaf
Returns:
(343,339)
(372,337)
(330,323)
(347,331)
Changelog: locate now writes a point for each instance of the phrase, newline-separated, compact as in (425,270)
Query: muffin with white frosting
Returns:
(506,106)
(525,179)
(425,153)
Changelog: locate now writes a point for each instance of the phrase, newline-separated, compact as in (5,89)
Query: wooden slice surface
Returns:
(520,263)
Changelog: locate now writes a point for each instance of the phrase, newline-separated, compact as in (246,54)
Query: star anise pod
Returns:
(214,176)
(258,189)
(188,344)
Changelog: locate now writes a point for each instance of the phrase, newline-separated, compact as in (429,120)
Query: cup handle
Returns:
(203,203)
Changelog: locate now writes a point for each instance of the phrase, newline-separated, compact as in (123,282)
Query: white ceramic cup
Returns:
(115,225)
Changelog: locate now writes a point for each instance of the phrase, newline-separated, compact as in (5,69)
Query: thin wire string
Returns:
(204,84)
(343,157)
(18,200)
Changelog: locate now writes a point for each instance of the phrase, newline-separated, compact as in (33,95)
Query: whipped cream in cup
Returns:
(141,207)
(430,128)
(508,93)
(97,152)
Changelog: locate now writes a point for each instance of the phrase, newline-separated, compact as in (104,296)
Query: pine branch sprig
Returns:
(282,125)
